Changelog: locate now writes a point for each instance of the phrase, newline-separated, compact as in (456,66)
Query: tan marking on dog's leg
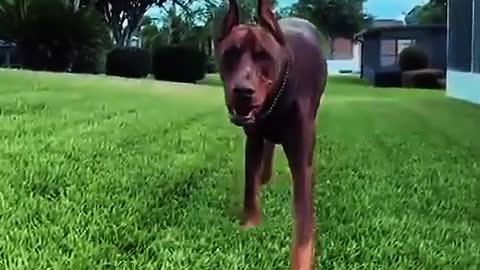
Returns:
(303,256)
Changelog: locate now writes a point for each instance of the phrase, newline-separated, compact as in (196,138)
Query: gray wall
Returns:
(370,55)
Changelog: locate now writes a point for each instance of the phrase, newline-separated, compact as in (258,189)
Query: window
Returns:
(460,35)
(404,43)
(387,52)
(390,50)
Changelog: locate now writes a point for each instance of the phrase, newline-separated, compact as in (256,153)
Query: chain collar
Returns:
(279,93)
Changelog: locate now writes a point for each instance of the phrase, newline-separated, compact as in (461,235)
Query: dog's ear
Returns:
(267,19)
(231,19)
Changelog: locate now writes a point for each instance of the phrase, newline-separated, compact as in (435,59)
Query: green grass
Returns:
(109,173)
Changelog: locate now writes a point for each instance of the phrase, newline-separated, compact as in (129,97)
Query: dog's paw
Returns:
(250,222)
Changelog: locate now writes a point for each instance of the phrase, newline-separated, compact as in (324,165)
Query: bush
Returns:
(129,62)
(388,79)
(179,64)
(49,33)
(87,61)
(423,78)
(413,58)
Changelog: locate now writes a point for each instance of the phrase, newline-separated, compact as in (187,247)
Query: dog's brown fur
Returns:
(274,76)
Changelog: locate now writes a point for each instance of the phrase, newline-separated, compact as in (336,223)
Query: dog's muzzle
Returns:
(242,121)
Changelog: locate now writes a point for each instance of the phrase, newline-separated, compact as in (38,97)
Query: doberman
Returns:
(274,74)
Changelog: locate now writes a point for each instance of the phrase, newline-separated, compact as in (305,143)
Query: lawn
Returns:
(110,173)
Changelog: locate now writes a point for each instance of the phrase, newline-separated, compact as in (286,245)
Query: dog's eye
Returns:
(230,57)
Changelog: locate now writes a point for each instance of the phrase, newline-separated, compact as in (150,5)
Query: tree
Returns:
(148,31)
(51,33)
(335,18)
(434,12)
(411,18)
(124,17)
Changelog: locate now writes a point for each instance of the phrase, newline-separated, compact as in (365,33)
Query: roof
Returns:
(376,30)
(386,22)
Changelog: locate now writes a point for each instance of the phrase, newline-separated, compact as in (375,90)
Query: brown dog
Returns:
(274,76)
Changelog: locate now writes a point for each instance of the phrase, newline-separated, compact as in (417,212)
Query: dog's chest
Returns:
(273,135)
(274,130)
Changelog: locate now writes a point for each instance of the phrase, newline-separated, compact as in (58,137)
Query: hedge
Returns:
(129,62)
(179,64)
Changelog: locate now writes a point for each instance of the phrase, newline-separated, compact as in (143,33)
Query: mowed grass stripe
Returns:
(139,174)
(397,183)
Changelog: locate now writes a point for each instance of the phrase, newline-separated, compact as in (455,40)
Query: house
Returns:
(382,45)
(345,53)
(463,70)
(342,49)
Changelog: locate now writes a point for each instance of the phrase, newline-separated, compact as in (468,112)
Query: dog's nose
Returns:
(243,92)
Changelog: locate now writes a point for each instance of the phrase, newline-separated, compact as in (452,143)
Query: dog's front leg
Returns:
(299,152)
(267,162)
(253,168)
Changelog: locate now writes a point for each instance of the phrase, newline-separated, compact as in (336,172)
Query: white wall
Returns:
(464,86)
(334,66)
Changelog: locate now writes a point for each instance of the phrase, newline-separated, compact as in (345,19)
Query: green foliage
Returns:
(433,15)
(433,12)
(51,33)
(413,58)
(148,34)
(129,62)
(125,17)
(179,63)
(335,18)
(412,17)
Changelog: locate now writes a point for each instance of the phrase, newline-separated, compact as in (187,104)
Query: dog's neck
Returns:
(278,90)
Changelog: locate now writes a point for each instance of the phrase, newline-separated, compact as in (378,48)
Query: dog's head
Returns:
(250,59)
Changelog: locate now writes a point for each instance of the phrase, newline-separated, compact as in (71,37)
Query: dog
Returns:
(274,75)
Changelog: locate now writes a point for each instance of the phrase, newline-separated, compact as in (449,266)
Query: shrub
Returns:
(413,58)
(129,62)
(422,78)
(388,79)
(87,61)
(179,64)
(49,33)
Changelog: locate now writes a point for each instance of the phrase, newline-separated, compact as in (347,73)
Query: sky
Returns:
(381,9)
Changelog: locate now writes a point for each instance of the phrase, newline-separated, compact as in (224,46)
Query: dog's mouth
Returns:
(243,116)
(242,120)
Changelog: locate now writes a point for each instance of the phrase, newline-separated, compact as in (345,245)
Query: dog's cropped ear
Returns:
(231,19)
(267,19)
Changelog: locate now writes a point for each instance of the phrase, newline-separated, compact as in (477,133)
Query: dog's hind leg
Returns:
(267,162)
